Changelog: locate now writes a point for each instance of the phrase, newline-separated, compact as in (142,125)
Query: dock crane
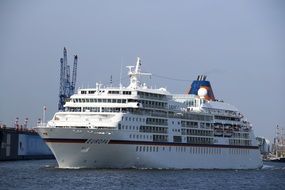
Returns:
(67,85)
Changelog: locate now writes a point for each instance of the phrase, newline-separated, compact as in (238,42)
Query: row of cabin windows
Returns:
(152,129)
(137,119)
(90,91)
(93,100)
(155,104)
(160,138)
(206,125)
(241,135)
(151,95)
(200,140)
(97,109)
(92,109)
(119,92)
(239,142)
(111,109)
(196,132)
(189,124)
(146,149)
(238,151)
(199,117)
(191,150)
(178,122)
(226,118)
(156,121)
(147,137)
(126,127)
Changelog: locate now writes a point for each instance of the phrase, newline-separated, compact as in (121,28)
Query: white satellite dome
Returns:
(202,92)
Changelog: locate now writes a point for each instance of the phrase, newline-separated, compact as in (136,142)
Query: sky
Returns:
(239,45)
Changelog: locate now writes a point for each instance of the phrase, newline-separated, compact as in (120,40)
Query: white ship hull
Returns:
(81,148)
(142,127)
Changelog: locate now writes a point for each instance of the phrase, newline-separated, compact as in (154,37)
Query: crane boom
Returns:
(74,74)
(66,87)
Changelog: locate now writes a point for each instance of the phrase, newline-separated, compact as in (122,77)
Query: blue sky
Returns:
(240,45)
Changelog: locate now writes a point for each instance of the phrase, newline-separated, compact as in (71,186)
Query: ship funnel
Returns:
(202,83)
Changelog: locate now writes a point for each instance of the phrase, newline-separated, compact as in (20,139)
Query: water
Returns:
(44,174)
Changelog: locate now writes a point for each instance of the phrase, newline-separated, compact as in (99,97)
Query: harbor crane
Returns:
(67,85)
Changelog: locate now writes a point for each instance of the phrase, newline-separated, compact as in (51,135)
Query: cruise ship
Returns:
(141,127)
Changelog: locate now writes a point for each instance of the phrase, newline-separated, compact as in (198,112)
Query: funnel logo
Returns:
(202,87)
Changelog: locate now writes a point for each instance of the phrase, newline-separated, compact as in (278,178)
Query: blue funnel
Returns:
(201,82)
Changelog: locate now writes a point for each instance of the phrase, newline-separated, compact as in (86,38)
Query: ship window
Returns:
(144,149)
(140,148)
(127,92)
(130,136)
(99,100)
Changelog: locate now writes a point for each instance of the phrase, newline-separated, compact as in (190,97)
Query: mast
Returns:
(135,73)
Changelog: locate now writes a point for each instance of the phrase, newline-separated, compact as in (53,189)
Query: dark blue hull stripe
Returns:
(56,140)
(127,142)
(179,144)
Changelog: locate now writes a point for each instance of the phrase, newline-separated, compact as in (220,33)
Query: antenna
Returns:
(111,80)
(121,73)
(44,114)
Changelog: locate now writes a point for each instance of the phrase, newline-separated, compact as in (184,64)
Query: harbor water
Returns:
(44,174)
